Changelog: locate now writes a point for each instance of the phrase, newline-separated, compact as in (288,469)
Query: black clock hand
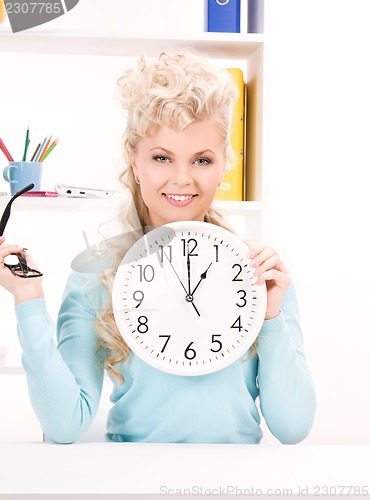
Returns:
(189,297)
(188,265)
(203,276)
(178,277)
(192,303)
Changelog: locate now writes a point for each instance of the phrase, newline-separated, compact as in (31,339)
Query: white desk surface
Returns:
(164,469)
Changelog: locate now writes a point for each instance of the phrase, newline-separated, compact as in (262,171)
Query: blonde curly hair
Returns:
(173,91)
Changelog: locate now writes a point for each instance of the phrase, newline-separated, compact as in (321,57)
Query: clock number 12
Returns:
(186,244)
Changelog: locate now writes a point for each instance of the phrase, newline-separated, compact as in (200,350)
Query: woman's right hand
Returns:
(22,289)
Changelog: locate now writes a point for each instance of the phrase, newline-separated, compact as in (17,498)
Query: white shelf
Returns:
(65,204)
(60,203)
(113,43)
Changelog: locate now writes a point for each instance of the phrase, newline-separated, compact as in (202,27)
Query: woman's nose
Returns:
(181,175)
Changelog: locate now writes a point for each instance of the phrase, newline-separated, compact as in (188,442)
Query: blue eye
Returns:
(203,162)
(161,158)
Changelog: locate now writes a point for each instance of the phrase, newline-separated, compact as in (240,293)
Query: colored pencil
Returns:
(52,144)
(26,144)
(55,143)
(5,150)
(41,148)
(1,147)
(35,153)
(44,150)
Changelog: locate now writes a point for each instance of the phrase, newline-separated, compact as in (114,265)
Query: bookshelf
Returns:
(64,203)
(245,49)
(113,43)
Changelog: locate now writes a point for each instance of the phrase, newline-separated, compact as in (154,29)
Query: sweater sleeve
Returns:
(64,379)
(286,391)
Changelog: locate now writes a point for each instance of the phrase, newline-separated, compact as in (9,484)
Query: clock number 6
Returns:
(189,352)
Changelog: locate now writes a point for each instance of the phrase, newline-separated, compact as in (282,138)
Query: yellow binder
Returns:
(232,185)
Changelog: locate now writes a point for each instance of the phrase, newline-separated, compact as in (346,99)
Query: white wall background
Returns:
(315,183)
(318,82)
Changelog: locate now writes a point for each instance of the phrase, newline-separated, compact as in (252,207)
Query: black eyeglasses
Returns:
(20,269)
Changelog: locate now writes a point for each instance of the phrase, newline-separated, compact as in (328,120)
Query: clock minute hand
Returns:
(203,276)
(178,277)
(188,297)
(188,266)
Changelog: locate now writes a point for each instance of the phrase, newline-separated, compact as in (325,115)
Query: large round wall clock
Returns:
(185,298)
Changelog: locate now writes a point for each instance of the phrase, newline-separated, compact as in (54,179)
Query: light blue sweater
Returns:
(65,382)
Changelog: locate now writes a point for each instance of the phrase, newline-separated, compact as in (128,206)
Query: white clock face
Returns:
(185,299)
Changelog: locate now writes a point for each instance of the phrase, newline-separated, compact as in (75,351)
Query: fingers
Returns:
(263,259)
(6,250)
(272,261)
(260,254)
(282,280)
(30,261)
(269,268)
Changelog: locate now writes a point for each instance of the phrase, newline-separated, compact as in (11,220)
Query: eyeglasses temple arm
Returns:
(6,214)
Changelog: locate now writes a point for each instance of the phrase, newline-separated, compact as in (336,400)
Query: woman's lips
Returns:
(179,200)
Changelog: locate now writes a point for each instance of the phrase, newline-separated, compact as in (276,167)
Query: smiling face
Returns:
(179,172)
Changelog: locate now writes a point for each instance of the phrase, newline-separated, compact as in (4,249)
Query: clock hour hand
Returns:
(203,276)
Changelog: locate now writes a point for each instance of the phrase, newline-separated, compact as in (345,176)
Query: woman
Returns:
(177,146)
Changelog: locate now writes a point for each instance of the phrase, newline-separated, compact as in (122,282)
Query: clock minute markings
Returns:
(241,271)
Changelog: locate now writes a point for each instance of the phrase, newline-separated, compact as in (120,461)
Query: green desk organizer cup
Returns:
(21,173)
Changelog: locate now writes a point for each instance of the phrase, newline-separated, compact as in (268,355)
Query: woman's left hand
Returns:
(269,269)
